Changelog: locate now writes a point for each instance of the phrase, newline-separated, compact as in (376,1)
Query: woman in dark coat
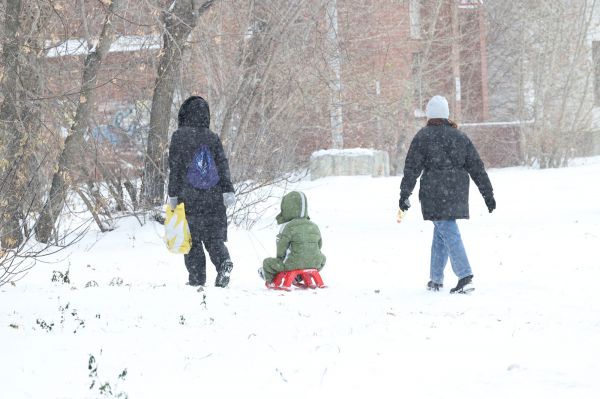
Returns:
(205,205)
(444,157)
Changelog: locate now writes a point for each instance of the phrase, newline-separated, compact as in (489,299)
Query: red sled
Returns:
(284,280)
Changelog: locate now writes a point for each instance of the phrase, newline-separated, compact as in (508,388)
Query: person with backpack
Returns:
(199,177)
(444,158)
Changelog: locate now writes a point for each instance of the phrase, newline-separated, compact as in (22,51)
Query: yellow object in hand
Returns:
(399,216)
(177,231)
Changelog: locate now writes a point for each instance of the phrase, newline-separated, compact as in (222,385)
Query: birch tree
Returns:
(335,84)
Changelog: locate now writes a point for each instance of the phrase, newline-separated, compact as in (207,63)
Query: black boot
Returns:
(223,274)
(431,286)
(464,286)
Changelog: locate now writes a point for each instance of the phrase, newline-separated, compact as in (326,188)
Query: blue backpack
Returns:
(202,173)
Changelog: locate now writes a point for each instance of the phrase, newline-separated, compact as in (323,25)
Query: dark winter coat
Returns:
(205,206)
(299,240)
(444,157)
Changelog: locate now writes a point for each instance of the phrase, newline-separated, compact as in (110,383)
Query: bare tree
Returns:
(335,84)
(24,150)
(265,78)
(70,163)
(10,232)
(542,73)
(179,20)
(20,114)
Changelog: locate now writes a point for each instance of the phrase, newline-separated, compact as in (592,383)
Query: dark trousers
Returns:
(195,260)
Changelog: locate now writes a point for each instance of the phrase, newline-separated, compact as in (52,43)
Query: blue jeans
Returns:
(447,243)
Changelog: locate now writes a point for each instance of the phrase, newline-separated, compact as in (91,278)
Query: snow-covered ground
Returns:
(530,330)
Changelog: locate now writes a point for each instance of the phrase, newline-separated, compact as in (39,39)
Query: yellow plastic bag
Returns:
(177,231)
(400,216)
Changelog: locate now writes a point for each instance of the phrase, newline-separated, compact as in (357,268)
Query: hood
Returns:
(194,112)
(293,205)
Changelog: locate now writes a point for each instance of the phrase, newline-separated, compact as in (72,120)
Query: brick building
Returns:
(395,54)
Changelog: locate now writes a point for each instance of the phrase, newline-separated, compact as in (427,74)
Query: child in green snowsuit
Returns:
(298,242)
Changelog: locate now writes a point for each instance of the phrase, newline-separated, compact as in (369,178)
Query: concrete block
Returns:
(349,162)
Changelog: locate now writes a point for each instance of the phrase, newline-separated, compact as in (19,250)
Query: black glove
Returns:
(404,204)
(490,202)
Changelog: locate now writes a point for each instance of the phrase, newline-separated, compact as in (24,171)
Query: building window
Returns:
(596,65)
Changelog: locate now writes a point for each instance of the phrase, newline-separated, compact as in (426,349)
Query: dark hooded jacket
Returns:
(205,206)
(299,240)
(444,157)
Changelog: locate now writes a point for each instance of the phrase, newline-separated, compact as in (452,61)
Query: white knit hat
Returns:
(437,107)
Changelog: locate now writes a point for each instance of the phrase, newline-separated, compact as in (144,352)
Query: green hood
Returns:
(293,205)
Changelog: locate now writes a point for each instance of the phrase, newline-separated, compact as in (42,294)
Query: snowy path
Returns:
(530,330)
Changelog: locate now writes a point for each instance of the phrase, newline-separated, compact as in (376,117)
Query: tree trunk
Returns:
(455,57)
(335,84)
(179,21)
(10,232)
(19,116)
(71,158)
